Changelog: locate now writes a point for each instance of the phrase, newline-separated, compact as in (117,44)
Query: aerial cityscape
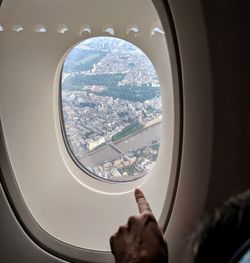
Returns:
(112,109)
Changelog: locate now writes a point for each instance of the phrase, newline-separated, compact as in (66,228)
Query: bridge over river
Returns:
(111,151)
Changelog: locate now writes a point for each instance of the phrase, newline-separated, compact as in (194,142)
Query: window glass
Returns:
(111,109)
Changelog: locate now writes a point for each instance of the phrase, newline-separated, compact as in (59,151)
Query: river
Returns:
(139,140)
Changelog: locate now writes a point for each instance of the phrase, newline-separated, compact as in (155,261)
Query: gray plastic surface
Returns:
(16,246)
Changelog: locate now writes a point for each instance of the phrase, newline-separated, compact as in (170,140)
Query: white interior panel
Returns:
(68,204)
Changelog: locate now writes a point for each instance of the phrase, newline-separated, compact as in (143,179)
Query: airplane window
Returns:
(111,109)
(97,119)
(1,28)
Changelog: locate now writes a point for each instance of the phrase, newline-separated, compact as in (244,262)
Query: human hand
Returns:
(141,240)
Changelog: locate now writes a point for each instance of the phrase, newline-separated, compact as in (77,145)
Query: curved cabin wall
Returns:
(213,39)
(215,94)
(69,205)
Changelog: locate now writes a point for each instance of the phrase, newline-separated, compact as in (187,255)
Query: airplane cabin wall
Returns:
(228,36)
(226,39)
(213,39)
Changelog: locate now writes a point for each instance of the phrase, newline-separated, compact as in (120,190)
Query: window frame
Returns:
(49,243)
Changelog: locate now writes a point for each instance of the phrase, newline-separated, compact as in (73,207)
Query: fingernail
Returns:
(138,192)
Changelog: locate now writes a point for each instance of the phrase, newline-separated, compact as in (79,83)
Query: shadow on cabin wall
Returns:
(227,24)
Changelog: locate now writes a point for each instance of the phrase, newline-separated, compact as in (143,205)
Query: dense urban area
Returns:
(110,92)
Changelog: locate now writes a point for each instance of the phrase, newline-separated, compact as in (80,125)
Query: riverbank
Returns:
(131,142)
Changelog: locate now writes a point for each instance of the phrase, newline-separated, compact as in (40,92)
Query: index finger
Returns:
(142,203)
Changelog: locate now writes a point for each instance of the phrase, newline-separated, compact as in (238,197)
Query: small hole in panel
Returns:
(85,30)
(62,29)
(109,30)
(111,109)
(40,29)
(133,29)
(17,28)
(157,30)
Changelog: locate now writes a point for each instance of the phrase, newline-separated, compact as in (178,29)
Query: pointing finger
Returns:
(142,203)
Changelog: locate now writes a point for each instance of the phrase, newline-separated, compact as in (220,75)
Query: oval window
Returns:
(111,109)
